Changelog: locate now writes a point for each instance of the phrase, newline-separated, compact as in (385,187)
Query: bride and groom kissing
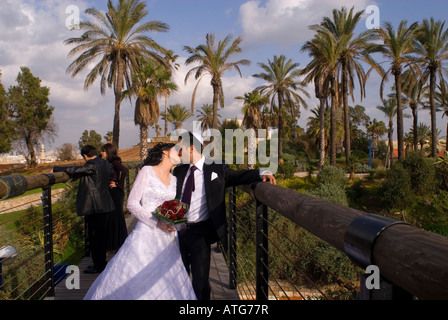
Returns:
(156,262)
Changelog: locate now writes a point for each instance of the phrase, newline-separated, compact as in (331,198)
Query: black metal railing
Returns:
(412,263)
(266,261)
(31,272)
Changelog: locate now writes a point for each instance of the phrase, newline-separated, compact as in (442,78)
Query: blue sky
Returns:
(32,34)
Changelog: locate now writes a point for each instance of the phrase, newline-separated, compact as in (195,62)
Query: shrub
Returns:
(422,173)
(332,175)
(397,189)
(432,214)
(330,192)
(287,170)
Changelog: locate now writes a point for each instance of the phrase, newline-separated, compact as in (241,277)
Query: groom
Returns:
(203,187)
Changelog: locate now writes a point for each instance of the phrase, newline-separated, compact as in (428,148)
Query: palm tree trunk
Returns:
(346,117)
(280,124)
(446,142)
(118,91)
(414,129)
(432,90)
(166,117)
(391,141)
(322,133)
(215,86)
(333,123)
(400,128)
(143,142)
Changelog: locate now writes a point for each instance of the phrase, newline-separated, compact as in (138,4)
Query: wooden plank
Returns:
(219,278)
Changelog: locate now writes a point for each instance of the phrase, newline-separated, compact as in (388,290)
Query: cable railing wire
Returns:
(276,288)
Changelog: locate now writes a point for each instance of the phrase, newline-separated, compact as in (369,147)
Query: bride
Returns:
(148,266)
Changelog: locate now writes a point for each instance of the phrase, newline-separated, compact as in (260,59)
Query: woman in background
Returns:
(116,224)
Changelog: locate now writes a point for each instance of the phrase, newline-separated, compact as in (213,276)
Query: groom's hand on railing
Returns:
(268,177)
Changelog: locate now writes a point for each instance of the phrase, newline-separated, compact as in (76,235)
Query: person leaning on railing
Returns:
(93,201)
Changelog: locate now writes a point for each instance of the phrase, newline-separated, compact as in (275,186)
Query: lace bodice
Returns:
(148,192)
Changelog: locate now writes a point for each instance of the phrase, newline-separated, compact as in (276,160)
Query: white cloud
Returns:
(286,22)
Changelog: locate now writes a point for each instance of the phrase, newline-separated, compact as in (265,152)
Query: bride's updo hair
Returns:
(155,155)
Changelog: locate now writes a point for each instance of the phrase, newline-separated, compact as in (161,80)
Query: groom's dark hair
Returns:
(190,140)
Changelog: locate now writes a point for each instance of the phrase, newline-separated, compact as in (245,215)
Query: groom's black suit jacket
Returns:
(215,192)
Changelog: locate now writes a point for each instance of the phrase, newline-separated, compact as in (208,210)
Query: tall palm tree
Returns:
(205,116)
(212,59)
(432,50)
(282,77)
(151,82)
(253,102)
(117,38)
(353,50)
(389,108)
(322,70)
(177,115)
(414,91)
(397,48)
(315,130)
(170,61)
(442,100)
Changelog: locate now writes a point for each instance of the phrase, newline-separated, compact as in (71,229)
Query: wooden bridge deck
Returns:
(219,277)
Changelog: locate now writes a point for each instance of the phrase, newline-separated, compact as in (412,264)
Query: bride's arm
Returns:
(135,196)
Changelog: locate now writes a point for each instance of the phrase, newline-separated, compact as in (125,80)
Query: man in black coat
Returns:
(203,187)
(93,201)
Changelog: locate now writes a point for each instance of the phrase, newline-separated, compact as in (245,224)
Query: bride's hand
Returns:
(166,227)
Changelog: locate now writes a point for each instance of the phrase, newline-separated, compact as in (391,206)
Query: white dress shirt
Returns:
(198,210)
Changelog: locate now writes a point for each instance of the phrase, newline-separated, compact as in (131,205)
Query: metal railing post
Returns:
(48,234)
(262,257)
(233,273)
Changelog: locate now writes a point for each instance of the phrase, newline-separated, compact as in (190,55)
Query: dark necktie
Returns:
(189,186)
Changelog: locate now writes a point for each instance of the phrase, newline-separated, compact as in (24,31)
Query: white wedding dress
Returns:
(148,266)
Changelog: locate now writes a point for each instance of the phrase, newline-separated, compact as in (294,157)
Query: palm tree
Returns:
(316,131)
(177,115)
(389,108)
(397,48)
(377,129)
(442,100)
(118,40)
(253,102)
(282,82)
(353,50)
(414,91)
(423,134)
(170,60)
(205,115)
(149,83)
(432,50)
(212,59)
(158,130)
(322,70)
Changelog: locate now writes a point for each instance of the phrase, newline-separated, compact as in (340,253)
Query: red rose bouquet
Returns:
(172,211)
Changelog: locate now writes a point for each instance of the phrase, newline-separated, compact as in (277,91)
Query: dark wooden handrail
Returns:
(16,185)
(411,258)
